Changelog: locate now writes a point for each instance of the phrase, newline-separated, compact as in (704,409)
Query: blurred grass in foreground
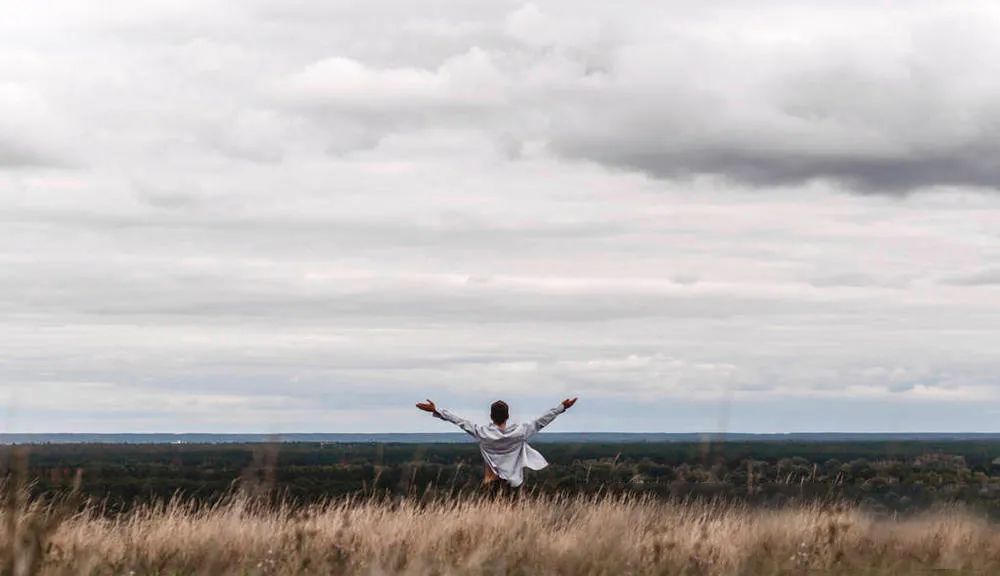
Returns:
(567,535)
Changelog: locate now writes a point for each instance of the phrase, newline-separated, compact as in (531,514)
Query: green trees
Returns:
(900,477)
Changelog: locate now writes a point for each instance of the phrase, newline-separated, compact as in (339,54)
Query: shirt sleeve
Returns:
(462,423)
(544,420)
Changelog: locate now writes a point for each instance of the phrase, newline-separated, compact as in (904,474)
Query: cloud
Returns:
(22,116)
(873,99)
(987,277)
(858,281)
(359,104)
(466,80)
(14,154)
(213,214)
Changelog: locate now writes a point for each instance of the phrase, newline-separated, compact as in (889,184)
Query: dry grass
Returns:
(478,536)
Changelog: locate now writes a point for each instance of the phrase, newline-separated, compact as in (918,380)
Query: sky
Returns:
(293,216)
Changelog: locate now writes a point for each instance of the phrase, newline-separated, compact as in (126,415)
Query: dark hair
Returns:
(499,412)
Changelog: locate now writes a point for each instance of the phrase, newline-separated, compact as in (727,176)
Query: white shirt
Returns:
(506,450)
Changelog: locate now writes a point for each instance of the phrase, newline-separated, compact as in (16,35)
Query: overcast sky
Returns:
(282,215)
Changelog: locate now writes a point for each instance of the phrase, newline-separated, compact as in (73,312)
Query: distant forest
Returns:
(889,477)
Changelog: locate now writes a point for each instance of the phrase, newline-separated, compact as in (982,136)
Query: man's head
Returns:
(499,412)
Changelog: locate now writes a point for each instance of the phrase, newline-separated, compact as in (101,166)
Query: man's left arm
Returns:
(545,419)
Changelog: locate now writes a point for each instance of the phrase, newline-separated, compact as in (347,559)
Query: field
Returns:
(732,509)
(540,535)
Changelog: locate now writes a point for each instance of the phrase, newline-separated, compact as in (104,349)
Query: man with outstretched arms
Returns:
(504,445)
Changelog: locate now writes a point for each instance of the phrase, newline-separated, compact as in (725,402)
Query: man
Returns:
(504,446)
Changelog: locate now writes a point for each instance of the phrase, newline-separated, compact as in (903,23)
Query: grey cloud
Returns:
(957,167)
(858,281)
(281,234)
(157,196)
(14,154)
(986,277)
(30,134)
(236,294)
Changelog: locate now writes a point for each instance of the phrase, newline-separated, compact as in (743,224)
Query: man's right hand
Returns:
(427,406)
(568,403)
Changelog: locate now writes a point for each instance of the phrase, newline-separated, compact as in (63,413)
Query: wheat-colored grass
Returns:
(552,535)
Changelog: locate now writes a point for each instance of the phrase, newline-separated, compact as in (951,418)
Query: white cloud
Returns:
(262,216)
(466,80)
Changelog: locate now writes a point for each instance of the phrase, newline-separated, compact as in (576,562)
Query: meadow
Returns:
(476,535)
(734,509)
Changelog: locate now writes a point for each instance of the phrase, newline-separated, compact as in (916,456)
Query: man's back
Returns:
(505,446)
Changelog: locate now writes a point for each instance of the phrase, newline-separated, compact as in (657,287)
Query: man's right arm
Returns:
(462,423)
